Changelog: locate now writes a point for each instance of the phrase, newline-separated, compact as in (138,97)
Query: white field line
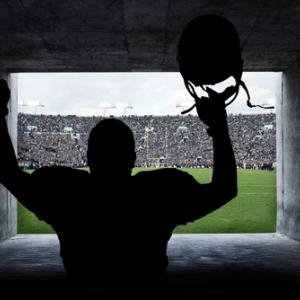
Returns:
(257,193)
(263,185)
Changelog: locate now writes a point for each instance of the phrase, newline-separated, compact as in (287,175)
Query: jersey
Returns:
(116,228)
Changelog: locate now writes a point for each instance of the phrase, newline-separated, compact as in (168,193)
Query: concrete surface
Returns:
(210,265)
(288,155)
(134,35)
(235,264)
(8,206)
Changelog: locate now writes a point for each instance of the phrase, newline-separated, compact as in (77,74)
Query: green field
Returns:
(252,211)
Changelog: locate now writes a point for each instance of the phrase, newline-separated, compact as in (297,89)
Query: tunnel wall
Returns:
(288,155)
(8,208)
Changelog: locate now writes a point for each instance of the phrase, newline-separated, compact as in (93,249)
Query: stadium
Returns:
(161,141)
(166,141)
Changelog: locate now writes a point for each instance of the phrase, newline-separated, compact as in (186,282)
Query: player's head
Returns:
(209,51)
(111,148)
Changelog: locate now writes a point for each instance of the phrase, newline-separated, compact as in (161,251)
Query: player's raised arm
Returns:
(209,53)
(223,186)
(8,159)
(11,176)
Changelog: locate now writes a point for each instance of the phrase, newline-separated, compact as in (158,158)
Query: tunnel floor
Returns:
(200,265)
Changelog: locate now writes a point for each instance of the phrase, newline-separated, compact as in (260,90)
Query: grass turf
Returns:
(252,211)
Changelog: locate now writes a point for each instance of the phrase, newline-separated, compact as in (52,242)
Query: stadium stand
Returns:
(161,141)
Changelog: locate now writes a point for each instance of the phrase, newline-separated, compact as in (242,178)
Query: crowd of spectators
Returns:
(161,141)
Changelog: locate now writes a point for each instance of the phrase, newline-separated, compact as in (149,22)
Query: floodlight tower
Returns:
(179,105)
(124,106)
(269,102)
(106,106)
(128,106)
(34,104)
(184,104)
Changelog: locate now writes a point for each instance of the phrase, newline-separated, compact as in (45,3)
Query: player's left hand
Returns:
(4,97)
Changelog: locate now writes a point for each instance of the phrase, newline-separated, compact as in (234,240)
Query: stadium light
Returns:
(117,105)
(269,102)
(31,103)
(124,106)
(184,104)
(105,106)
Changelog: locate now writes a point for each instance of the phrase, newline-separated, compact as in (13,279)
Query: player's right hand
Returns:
(211,110)
(4,97)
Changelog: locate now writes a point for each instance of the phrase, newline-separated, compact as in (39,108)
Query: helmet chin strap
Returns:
(192,92)
(226,94)
(243,85)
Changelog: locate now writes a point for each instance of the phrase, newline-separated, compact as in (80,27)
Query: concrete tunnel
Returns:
(142,36)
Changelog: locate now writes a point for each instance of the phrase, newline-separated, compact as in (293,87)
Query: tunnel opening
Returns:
(222,258)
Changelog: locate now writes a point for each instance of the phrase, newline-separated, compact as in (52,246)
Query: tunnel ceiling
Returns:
(137,35)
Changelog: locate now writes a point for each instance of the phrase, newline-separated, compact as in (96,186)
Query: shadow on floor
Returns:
(201,266)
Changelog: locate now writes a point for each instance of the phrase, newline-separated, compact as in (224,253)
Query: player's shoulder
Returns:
(59,171)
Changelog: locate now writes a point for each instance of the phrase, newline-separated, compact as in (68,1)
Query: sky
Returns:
(89,94)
